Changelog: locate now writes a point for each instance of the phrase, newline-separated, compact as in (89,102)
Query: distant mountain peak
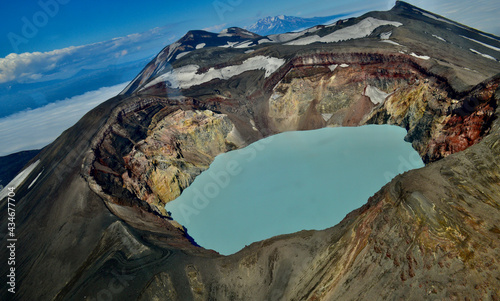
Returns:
(276,18)
(282,24)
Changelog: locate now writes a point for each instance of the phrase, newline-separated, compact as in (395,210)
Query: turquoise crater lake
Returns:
(290,182)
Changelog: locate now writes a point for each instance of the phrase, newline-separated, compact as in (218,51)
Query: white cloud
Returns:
(215,28)
(36,128)
(121,53)
(63,63)
(23,66)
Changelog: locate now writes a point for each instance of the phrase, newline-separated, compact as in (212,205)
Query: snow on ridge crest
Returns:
(185,77)
(360,30)
(182,54)
(483,44)
(482,54)
(422,57)
(439,38)
(18,180)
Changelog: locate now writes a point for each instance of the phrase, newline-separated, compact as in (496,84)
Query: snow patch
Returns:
(224,33)
(439,38)
(422,57)
(18,180)
(181,54)
(391,42)
(275,96)
(229,44)
(249,51)
(253,125)
(359,30)
(385,38)
(385,35)
(481,43)
(376,96)
(326,117)
(186,76)
(244,44)
(33,182)
(482,54)
(284,37)
(170,52)
(201,45)
(468,69)
(234,136)
(432,16)
(246,32)
(344,65)
(332,67)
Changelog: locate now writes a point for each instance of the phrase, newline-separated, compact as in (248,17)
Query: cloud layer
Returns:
(36,128)
(63,63)
(30,66)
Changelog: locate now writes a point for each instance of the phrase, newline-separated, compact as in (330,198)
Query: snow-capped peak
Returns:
(282,24)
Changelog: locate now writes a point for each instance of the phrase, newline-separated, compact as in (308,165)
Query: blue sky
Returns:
(79,22)
(82,22)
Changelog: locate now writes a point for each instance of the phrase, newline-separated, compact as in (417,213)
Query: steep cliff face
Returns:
(338,90)
(393,90)
(153,148)
(177,149)
(95,218)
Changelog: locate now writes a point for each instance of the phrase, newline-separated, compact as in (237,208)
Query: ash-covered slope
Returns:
(92,225)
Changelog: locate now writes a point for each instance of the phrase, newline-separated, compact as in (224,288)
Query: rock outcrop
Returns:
(177,149)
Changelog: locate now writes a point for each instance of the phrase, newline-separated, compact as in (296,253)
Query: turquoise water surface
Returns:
(290,182)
